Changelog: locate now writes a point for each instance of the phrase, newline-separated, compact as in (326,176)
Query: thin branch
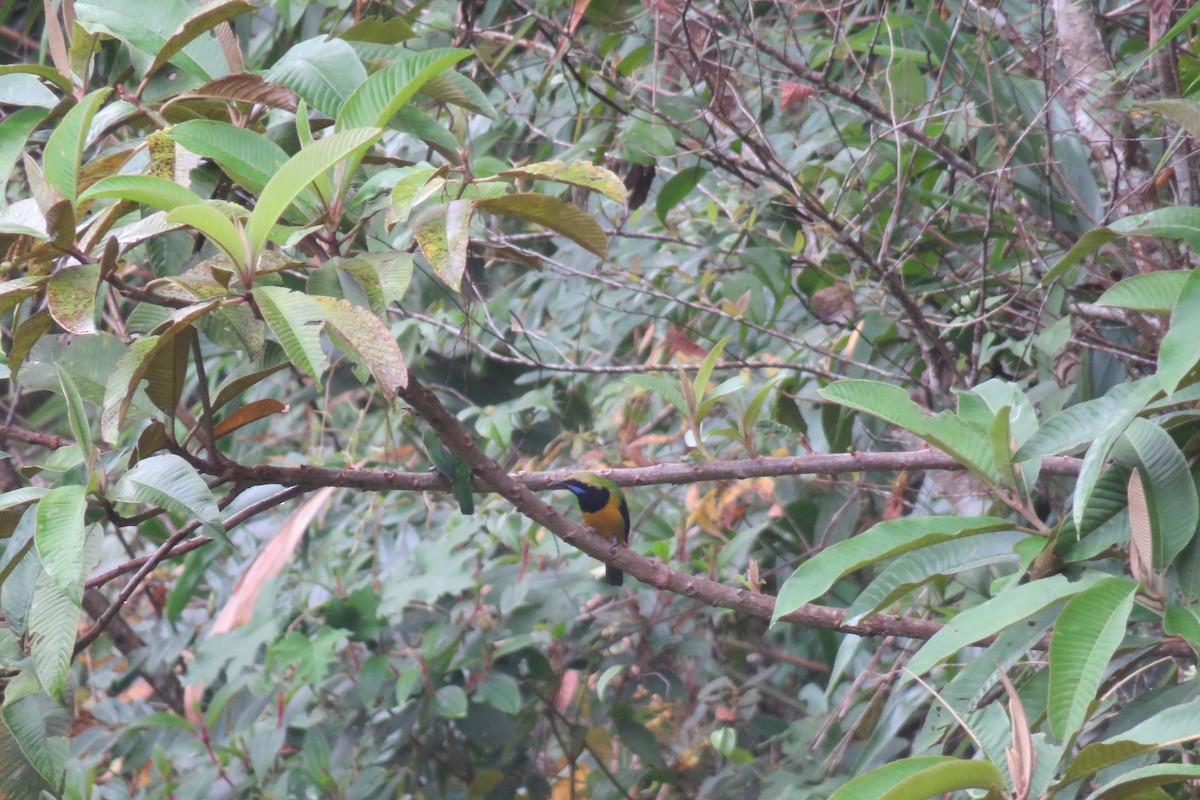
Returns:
(174,545)
(33,437)
(667,473)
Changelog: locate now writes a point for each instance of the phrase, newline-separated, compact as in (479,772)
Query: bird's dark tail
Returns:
(614,576)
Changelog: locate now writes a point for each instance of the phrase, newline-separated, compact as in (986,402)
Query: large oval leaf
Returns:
(59,536)
(323,71)
(383,94)
(71,297)
(577,173)
(563,218)
(367,341)
(169,482)
(148,190)
(1178,352)
(250,158)
(41,728)
(1085,637)
(917,568)
(64,150)
(296,320)
(978,622)
(893,537)
(1170,491)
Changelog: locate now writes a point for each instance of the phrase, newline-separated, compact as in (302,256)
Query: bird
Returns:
(453,469)
(604,511)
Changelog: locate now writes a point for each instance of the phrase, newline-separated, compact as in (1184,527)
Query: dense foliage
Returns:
(882,313)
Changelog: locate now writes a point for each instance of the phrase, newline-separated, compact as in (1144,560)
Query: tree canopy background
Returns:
(884,314)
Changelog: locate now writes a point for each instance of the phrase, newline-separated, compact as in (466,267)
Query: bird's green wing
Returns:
(452,468)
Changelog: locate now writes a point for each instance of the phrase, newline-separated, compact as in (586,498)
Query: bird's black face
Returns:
(591,498)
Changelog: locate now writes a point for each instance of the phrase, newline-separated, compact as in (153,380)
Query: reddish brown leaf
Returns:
(679,345)
(246,88)
(792,93)
(251,412)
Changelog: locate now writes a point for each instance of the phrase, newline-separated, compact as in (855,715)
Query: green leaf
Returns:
(323,71)
(166,371)
(1171,495)
(248,157)
(292,178)
(1178,723)
(877,782)
(1085,638)
(1184,113)
(24,218)
(1098,755)
(700,384)
(378,99)
(1178,354)
(549,212)
(71,297)
(577,173)
(14,133)
(1172,222)
(458,238)
(1000,437)
(940,779)
(1076,425)
(207,18)
(48,74)
(501,691)
(915,569)
(380,31)
(944,431)
(367,341)
(170,483)
(296,320)
(21,496)
(1087,244)
(76,412)
(891,538)
(414,186)
(676,190)
(639,741)
(40,726)
(1093,462)
(663,387)
(64,150)
(1007,608)
(224,232)
(273,360)
(1154,292)
(26,336)
(414,121)
(18,289)
(144,28)
(53,622)
(430,232)
(1183,621)
(450,702)
(459,90)
(59,537)
(147,190)
(1132,784)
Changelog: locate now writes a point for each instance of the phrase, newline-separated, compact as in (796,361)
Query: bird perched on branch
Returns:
(604,511)
(453,469)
